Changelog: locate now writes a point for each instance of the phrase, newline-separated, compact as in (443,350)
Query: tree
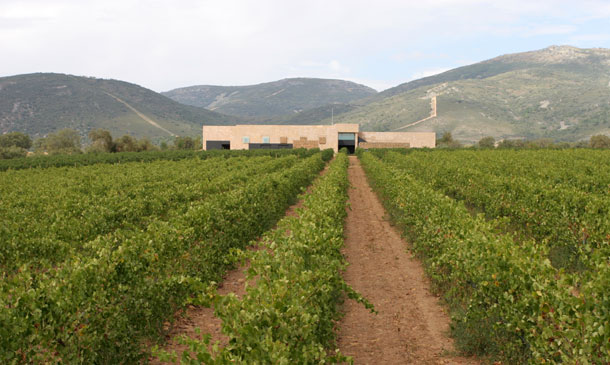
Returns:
(14,145)
(511,143)
(448,141)
(146,145)
(198,143)
(540,143)
(15,139)
(101,141)
(487,142)
(12,152)
(581,144)
(447,138)
(599,141)
(127,143)
(65,141)
(184,143)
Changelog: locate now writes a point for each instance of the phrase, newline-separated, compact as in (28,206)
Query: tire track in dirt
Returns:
(411,326)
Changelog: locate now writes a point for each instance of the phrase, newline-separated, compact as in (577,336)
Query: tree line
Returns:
(596,141)
(69,141)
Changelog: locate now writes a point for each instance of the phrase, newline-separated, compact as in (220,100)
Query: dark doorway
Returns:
(218,145)
(347,140)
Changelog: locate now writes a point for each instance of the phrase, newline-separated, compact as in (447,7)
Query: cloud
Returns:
(416,55)
(164,44)
(337,67)
(590,38)
(552,29)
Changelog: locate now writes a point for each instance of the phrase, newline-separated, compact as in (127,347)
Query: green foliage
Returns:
(446,138)
(599,141)
(88,277)
(487,142)
(65,141)
(327,154)
(144,144)
(187,143)
(516,185)
(127,143)
(288,316)
(7,153)
(146,156)
(447,141)
(101,141)
(508,300)
(540,143)
(511,143)
(15,139)
(14,145)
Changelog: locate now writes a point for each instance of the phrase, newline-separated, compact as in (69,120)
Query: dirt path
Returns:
(200,317)
(432,115)
(140,114)
(411,327)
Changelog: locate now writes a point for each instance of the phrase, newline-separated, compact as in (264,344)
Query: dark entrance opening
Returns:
(218,145)
(347,140)
(270,146)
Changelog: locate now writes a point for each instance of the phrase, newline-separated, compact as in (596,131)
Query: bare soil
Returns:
(411,326)
(203,318)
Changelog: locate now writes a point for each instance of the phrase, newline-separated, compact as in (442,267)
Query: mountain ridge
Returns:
(559,92)
(271,101)
(41,103)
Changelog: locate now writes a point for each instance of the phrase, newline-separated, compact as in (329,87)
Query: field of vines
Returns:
(98,253)
(289,316)
(518,242)
(94,259)
(86,159)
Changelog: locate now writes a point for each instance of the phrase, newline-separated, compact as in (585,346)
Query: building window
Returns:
(322,140)
(347,136)
(245,139)
(265,139)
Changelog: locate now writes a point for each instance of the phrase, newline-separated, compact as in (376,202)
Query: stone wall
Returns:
(303,142)
(367,145)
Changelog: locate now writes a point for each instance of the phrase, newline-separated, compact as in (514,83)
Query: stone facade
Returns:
(367,145)
(240,137)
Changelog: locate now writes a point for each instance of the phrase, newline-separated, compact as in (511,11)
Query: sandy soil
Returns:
(411,326)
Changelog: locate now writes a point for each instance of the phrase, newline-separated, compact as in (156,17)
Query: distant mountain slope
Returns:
(317,115)
(272,101)
(45,102)
(558,92)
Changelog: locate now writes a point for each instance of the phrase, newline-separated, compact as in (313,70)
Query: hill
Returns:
(316,115)
(559,92)
(272,101)
(40,103)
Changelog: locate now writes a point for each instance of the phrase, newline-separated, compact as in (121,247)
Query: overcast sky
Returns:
(167,44)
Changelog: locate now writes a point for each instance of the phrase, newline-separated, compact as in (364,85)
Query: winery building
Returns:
(336,136)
